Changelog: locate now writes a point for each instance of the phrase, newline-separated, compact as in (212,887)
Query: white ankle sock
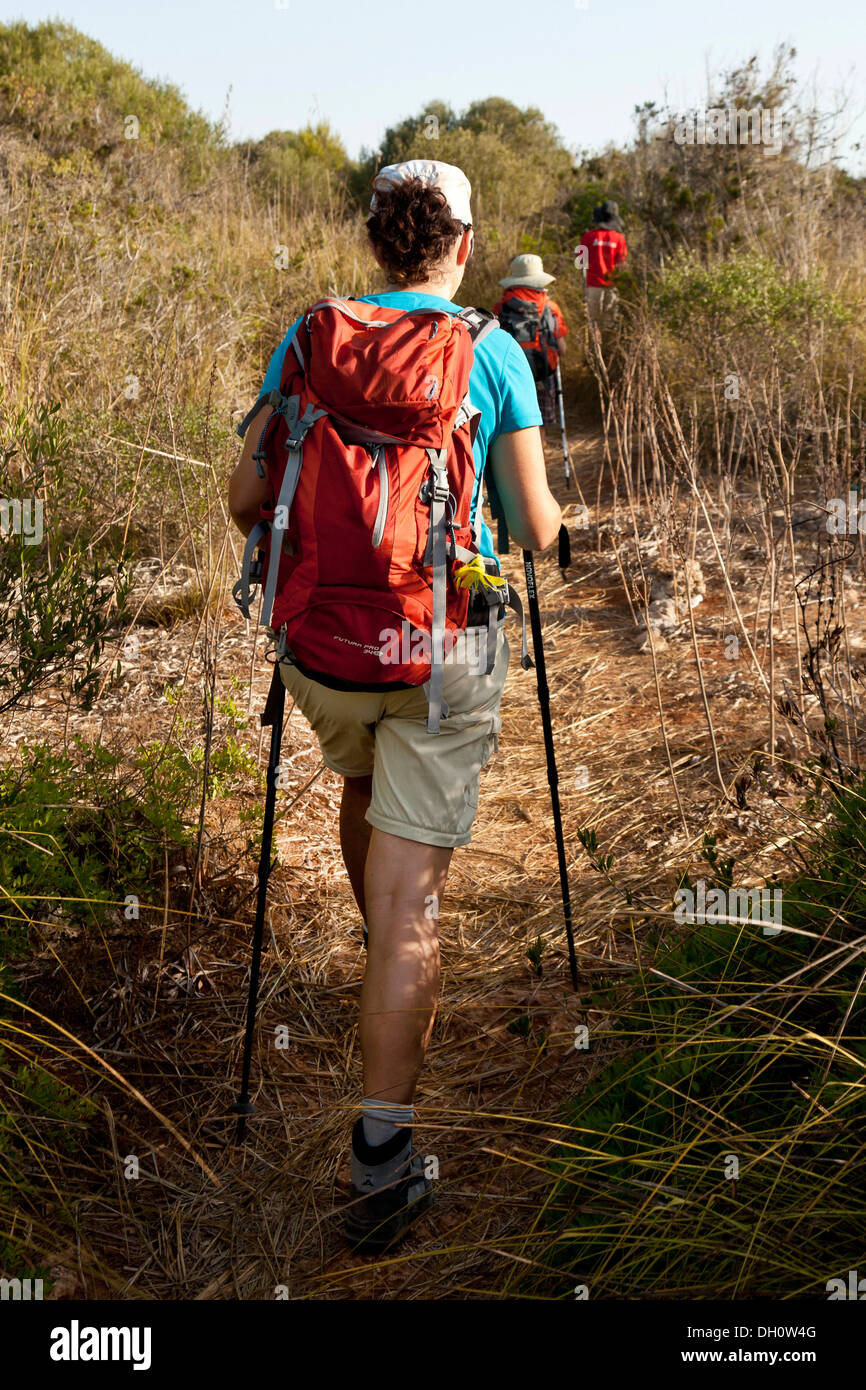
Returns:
(381,1119)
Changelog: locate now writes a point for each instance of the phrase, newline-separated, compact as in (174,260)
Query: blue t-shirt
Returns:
(501,386)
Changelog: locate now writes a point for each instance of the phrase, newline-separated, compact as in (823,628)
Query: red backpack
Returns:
(368,454)
(532,324)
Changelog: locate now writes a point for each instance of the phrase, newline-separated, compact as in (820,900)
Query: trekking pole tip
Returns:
(243,1108)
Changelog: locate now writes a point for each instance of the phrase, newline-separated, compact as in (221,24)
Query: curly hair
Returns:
(412,230)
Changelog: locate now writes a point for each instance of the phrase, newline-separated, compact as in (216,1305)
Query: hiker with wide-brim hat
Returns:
(602,249)
(536,323)
(409,796)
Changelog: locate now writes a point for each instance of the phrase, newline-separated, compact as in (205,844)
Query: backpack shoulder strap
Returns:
(548,323)
(271,398)
(298,425)
(480,322)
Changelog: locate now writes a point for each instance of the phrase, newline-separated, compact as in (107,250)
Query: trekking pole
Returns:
(565,454)
(552,774)
(568,470)
(271,715)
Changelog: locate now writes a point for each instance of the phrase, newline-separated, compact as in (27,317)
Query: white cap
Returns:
(450,181)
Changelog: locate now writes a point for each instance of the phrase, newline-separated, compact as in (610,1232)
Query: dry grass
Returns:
(148,304)
(213,1221)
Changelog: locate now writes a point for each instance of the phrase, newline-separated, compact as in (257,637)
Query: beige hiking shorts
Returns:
(425,786)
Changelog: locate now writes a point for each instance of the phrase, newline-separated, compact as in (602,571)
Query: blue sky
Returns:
(363,66)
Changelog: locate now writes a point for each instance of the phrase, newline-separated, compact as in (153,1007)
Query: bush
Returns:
(76,834)
(746,294)
(514,158)
(309,166)
(66,90)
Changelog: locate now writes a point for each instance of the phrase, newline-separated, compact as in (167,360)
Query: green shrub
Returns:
(749,292)
(70,92)
(77,833)
(311,165)
(514,158)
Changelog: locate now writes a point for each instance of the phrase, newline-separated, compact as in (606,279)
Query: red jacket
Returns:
(606,250)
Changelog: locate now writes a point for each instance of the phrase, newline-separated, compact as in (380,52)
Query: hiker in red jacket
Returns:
(409,794)
(536,323)
(604,249)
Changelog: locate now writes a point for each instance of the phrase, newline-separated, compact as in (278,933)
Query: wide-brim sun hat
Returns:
(451,182)
(529,271)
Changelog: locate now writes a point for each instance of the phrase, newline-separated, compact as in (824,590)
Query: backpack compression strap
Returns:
(439,493)
(251,570)
(479,323)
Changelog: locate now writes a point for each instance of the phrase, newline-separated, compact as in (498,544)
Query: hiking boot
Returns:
(389,1191)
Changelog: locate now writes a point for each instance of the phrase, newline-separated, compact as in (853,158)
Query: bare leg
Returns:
(355,833)
(404,884)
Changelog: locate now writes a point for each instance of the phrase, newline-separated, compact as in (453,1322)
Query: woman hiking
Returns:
(409,794)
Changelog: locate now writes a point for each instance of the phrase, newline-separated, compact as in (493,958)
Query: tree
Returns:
(514,158)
